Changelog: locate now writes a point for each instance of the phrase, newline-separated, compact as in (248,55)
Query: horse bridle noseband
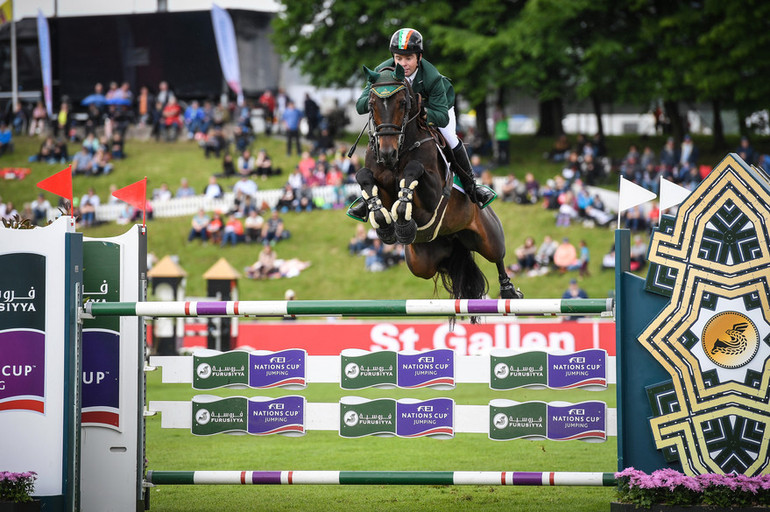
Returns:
(390,129)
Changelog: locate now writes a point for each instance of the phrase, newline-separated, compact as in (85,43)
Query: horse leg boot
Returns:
(401,212)
(483,195)
(378,215)
(507,290)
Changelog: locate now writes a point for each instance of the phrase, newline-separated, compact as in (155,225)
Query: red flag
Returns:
(59,184)
(135,195)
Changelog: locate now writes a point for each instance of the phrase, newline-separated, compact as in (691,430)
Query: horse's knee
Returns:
(413,171)
(365,178)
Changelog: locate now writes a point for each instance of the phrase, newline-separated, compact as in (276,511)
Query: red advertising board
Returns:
(330,338)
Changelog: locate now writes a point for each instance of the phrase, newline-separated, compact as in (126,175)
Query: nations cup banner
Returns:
(22,332)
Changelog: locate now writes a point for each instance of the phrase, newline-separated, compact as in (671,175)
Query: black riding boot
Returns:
(482,195)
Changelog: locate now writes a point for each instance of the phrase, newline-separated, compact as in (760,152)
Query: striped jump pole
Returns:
(381,478)
(375,308)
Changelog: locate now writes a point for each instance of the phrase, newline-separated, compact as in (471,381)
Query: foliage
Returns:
(17,487)
(667,486)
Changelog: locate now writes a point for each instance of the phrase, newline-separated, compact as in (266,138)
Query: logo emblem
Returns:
(730,339)
(203,370)
(500,420)
(202,417)
(352,370)
(501,370)
(351,418)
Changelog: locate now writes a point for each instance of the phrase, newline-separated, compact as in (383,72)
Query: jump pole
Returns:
(377,308)
(529,478)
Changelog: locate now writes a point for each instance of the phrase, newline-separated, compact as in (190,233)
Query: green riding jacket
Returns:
(436,90)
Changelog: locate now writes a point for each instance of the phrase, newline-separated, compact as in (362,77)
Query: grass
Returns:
(321,237)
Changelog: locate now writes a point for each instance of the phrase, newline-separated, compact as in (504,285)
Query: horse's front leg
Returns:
(406,227)
(379,216)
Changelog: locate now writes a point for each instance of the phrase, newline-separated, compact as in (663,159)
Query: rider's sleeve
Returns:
(438,108)
(362,105)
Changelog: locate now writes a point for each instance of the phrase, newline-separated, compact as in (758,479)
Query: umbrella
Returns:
(97,99)
(118,101)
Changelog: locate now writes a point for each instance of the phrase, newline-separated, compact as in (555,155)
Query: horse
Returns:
(408,188)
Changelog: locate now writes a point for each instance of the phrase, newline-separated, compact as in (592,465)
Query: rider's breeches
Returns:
(450,130)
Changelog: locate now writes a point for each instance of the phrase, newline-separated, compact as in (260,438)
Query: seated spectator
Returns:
(306,165)
(590,171)
(41,209)
(635,219)
(19,119)
(116,147)
(39,121)
(544,254)
(232,232)
(560,149)
(253,226)
(83,162)
(265,266)
(6,139)
(46,151)
(746,152)
(650,178)
(199,227)
(214,228)
(100,163)
(638,254)
(273,230)
(323,143)
(531,189)
(246,186)
(215,142)
(228,166)
(608,260)
(476,166)
(241,139)
(246,165)
(162,194)
(288,199)
(512,190)
(184,190)
(375,257)
(193,119)
(360,241)
(88,204)
(565,256)
(91,143)
(264,165)
(213,189)
(583,260)
(243,204)
(525,255)
(598,216)
(567,209)
(60,152)
(574,291)
(172,119)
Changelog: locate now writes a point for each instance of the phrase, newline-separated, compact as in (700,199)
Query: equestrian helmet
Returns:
(406,41)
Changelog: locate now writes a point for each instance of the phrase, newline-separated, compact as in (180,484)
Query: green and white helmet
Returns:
(405,41)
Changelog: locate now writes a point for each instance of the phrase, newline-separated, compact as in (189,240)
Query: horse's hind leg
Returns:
(490,243)
(379,216)
(507,290)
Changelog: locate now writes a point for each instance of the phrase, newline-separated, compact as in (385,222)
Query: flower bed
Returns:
(17,487)
(672,488)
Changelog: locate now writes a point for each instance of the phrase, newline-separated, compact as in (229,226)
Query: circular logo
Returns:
(500,420)
(202,416)
(351,418)
(203,370)
(501,370)
(730,339)
(352,370)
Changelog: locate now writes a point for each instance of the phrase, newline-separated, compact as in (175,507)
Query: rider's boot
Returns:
(481,195)
(359,210)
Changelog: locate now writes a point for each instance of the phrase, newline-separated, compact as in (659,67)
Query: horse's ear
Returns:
(371,76)
(398,74)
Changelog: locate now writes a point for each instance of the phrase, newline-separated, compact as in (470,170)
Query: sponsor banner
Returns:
(214,415)
(287,368)
(285,415)
(415,418)
(585,368)
(216,371)
(332,338)
(361,417)
(539,369)
(371,369)
(509,420)
(22,332)
(101,337)
(433,368)
(578,421)
(101,383)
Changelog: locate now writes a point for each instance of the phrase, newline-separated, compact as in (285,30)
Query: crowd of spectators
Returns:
(535,260)
(377,256)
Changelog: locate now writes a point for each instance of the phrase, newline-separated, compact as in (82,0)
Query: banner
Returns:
(224,33)
(44,42)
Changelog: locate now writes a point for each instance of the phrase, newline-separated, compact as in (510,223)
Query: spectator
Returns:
(264,165)
(39,119)
(63,121)
(163,193)
(544,254)
(560,149)
(246,163)
(116,147)
(144,106)
(82,163)
(60,153)
(41,209)
(502,138)
(688,154)
(668,155)
(287,200)
(184,190)
(476,166)
(199,226)
(172,119)
(512,190)
(531,188)
(246,186)
(215,227)
(6,139)
(583,260)
(194,119)
(213,189)
(264,267)
(233,231)
(313,116)
(100,163)
(574,291)
(525,255)
(608,261)
(267,101)
(273,229)
(228,166)
(565,256)
(375,257)
(165,94)
(19,119)
(638,254)
(323,142)
(88,204)
(635,219)
(567,209)
(291,119)
(746,152)
(91,143)
(215,142)
(241,139)
(253,226)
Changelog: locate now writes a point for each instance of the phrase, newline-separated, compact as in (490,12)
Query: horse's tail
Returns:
(461,276)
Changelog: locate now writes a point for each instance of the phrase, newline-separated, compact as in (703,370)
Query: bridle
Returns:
(386,90)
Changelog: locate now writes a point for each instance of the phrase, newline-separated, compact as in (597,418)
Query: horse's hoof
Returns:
(406,232)
(387,234)
(509,292)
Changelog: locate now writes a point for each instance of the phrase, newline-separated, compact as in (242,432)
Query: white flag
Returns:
(632,194)
(224,33)
(671,194)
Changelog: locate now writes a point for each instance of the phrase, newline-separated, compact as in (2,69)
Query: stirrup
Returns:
(483,196)
(358,210)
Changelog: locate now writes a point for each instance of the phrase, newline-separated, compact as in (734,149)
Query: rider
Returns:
(438,99)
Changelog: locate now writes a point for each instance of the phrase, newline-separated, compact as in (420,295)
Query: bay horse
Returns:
(408,188)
